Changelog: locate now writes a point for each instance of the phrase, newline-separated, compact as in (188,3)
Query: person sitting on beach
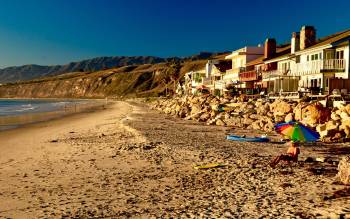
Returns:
(291,155)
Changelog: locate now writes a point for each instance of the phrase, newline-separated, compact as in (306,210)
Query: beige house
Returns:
(239,59)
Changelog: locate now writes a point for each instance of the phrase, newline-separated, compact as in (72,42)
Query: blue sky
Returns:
(51,32)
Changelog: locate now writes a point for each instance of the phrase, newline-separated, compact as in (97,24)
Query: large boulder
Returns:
(346,109)
(335,116)
(204,117)
(330,130)
(279,119)
(280,108)
(263,109)
(345,126)
(220,122)
(256,125)
(344,115)
(185,111)
(254,116)
(322,130)
(312,114)
(269,126)
(289,117)
(196,108)
(344,170)
(332,125)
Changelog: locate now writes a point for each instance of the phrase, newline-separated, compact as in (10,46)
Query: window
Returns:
(339,54)
(316,56)
(307,58)
(297,60)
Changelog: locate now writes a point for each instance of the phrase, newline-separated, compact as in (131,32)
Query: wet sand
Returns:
(129,161)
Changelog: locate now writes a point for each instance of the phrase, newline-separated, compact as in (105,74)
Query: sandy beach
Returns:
(130,161)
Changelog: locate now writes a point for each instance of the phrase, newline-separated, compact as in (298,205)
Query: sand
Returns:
(129,161)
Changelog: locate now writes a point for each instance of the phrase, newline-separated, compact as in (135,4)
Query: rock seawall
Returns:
(332,124)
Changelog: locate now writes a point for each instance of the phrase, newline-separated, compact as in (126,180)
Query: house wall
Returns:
(284,66)
(209,67)
(305,80)
(253,53)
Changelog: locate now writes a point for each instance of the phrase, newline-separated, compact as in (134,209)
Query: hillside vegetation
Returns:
(133,81)
(30,72)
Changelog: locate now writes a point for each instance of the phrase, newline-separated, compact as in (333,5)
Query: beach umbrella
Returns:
(297,132)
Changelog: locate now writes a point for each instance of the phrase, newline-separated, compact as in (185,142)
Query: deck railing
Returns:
(248,76)
(317,66)
(273,74)
(219,84)
(207,81)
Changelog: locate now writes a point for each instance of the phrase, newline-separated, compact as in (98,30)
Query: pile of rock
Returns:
(259,115)
(337,127)
(344,170)
(333,125)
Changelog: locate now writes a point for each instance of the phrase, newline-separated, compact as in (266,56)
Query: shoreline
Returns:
(15,121)
(129,161)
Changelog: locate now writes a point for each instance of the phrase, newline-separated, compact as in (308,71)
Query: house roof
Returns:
(257,61)
(224,65)
(330,39)
(285,52)
(282,51)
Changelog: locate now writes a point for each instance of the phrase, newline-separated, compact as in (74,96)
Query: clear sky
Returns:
(50,32)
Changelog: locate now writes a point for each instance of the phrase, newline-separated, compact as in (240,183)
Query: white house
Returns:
(316,62)
(309,62)
(210,76)
(194,79)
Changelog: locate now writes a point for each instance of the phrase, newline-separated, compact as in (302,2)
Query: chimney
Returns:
(295,42)
(270,48)
(307,37)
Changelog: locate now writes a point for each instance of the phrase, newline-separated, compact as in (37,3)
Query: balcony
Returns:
(318,66)
(220,84)
(248,76)
(273,74)
(235,70)
(232,74)
(207,81)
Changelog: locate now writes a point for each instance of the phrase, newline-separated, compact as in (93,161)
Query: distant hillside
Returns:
(128,81)
(29,72)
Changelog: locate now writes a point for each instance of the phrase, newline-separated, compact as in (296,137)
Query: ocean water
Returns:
(14,107)
(17,112)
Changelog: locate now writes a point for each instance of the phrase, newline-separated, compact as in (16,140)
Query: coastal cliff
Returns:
(30,72)
(136,80)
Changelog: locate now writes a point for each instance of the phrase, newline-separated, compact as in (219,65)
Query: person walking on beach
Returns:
(291,155)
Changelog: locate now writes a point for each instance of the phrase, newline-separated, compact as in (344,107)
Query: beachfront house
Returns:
(251,76)
(193,79)
(239,59)
(308,65)
(210,77)
(276,76)
(318,62)
(215,69)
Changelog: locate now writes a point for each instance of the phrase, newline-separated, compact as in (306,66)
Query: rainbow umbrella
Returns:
(297,132)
